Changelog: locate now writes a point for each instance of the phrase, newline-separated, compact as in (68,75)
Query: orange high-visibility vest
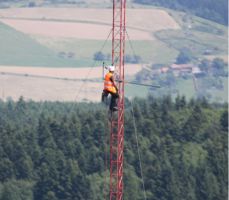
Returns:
(108,85)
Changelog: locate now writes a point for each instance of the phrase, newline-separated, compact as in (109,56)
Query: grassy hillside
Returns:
(154,51)
(21,50)
(204,39)
(197,34)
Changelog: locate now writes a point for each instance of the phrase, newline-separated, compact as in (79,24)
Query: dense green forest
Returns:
(209,9)
(56,151)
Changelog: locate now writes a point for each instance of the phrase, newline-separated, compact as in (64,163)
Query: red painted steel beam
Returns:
(117,123)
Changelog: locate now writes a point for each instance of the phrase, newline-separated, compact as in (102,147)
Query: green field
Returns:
(19,49)
(149,51)
(186,88)
(220,95)
(22,50)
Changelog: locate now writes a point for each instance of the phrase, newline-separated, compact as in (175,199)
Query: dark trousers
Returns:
(114,98)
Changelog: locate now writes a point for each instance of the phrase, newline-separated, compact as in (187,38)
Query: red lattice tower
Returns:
(117,123)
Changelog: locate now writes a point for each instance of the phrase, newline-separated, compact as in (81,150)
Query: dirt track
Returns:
(72,73)
(69,30)
(83,23)
(48,87)
(41,89)
(148,19)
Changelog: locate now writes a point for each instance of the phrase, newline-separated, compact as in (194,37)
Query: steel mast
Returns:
(117,124)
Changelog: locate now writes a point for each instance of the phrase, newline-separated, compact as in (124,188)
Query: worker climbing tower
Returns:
(117,123)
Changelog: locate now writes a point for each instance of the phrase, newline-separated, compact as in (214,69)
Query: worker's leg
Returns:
(104,96)
(114,98)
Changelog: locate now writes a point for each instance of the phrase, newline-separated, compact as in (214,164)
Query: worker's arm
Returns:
(112,80)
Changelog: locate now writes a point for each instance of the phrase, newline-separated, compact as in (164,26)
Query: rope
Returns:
(139,155)
(132,47)
(89,71)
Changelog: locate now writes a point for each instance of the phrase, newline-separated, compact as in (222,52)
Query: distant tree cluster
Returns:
(56,151)
(185,56)
(31,4)
(217,67)
(209,9)
(215,72)
(99,56)
(134,59)
(63,54)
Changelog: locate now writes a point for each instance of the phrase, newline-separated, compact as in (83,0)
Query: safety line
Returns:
(132,47)
(72,79)
(89,71)
(139,155)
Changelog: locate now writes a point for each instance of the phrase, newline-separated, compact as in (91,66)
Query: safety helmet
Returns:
(111,68)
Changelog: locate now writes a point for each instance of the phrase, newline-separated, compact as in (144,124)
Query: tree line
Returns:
(57,151)
(209,9)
